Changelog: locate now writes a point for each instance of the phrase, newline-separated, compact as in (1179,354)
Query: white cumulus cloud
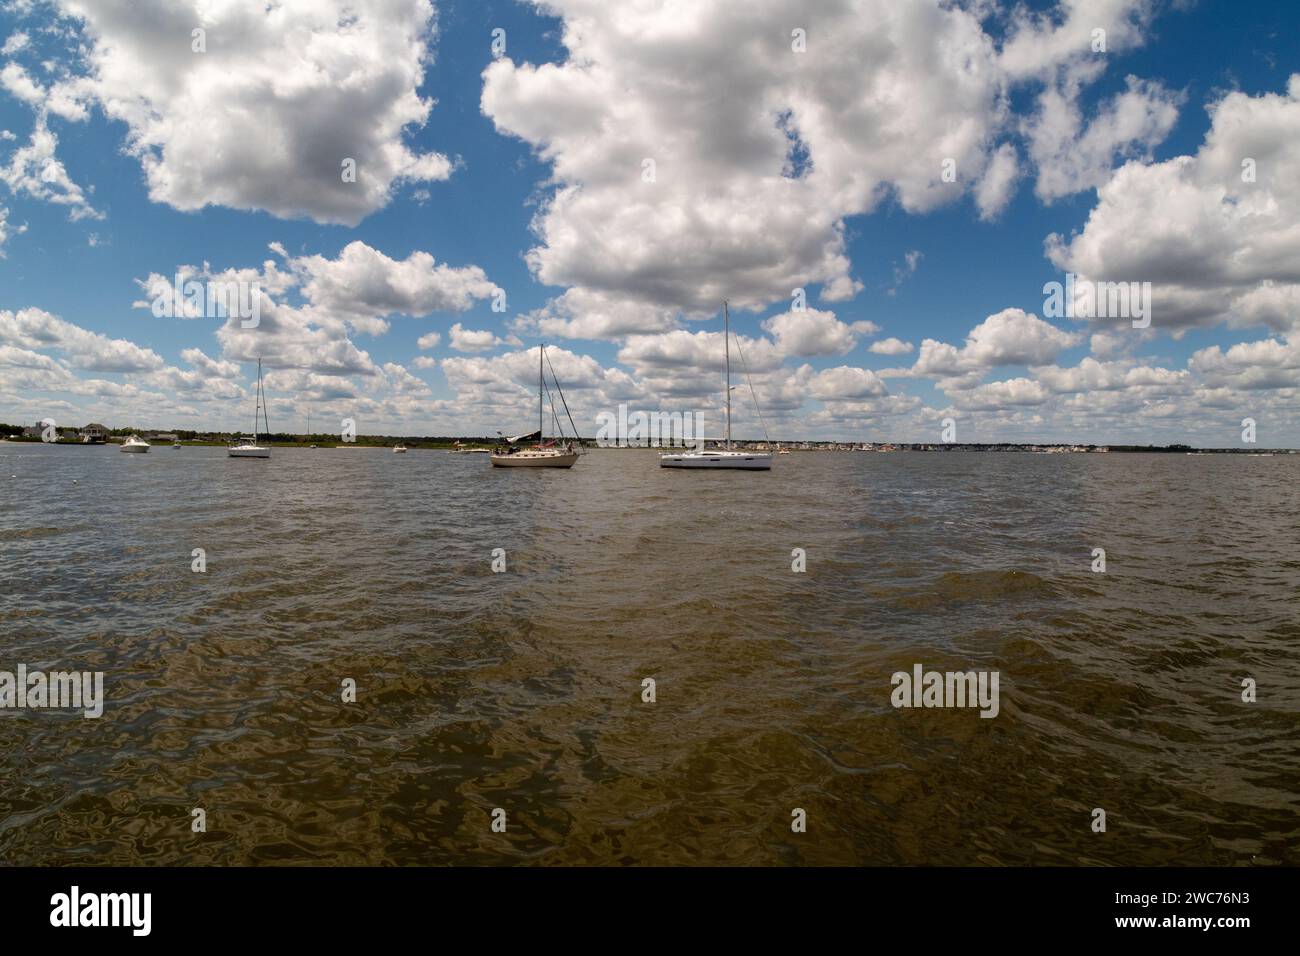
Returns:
(282,94)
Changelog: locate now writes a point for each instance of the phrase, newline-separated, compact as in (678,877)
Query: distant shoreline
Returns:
(450,444)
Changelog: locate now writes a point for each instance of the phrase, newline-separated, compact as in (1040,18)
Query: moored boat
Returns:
(723,458)
(741,460)
(135,444)
(556,453)
(248,447)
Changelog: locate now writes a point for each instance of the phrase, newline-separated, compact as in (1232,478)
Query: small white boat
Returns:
(399,449)
(725,458)
(176,444)
(135,444)
(248,447)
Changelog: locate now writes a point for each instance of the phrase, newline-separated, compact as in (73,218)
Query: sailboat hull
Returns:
(737,460)
(535,459)
(249,451)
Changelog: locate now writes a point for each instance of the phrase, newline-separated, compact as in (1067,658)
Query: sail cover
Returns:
(531,436)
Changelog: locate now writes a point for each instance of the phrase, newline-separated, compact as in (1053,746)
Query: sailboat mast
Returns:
(726,335)
(541,347)
(257,398)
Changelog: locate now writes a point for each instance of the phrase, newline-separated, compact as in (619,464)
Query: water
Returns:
(522,690)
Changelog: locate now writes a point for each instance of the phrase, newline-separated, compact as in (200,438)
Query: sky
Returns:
(414,194)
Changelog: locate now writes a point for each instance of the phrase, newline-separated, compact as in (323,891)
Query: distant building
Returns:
(158,436)
(94,434)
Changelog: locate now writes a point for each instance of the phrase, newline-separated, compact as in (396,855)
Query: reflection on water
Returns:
(522,690)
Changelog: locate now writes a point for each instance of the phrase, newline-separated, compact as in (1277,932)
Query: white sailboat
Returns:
(556,453)
(725,458)
(248,447)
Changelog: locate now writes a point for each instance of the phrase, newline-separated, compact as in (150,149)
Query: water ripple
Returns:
(523,690)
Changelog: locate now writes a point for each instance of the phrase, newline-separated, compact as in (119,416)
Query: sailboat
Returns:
(248,447)
(556,453)
(743,460)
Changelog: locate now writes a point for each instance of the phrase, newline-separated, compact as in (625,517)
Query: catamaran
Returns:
(557,453)
(248,447)
(726,458)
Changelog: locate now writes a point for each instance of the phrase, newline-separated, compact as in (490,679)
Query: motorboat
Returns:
(135,444)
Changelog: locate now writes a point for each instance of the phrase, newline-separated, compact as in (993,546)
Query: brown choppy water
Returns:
(522,690)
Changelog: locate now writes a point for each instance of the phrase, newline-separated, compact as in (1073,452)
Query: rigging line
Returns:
(261,390)
(752,395)
(547,390)
(559,430)
(577,437)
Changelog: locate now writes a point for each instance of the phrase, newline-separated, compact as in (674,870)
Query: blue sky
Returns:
(617,85)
